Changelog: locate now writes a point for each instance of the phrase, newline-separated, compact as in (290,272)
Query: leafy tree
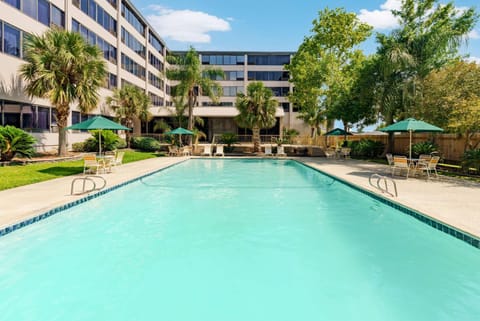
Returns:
(321,69)
(14,141)
(427,39)
(129,103)
(256,110)
(62,67)
(452,100)
(193,80)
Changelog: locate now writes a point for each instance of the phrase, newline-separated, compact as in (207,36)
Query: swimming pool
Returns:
(236,240)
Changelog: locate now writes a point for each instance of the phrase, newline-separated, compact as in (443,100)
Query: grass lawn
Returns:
(19,175)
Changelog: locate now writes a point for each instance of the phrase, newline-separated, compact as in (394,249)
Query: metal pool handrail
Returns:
(385,179)
(90,178)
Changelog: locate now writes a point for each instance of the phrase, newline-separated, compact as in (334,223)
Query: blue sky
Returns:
(265,25)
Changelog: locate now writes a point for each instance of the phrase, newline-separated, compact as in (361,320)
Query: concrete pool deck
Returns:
(451,201)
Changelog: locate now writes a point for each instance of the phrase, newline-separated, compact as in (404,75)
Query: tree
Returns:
(321,68)
(427,39)
(193,80)
(129,103)
(256,110)
(452,100)
(63,68)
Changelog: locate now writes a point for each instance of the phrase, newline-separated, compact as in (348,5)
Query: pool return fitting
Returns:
(93,185)
(383,189)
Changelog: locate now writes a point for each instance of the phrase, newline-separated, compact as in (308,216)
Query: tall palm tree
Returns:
(62,67)
(256,110)
(193,80)
(130,103)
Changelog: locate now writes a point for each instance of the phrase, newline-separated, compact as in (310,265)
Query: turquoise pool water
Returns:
(228,240)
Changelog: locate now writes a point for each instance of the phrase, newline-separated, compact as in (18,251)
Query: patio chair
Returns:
(219,151)
(390,161)
(207,150)
(91,164)
(268,150)
(187,151)
(172,150)
(118,159)
(330,153)
(345,152)
(400,163)
(429,166)
(280,151)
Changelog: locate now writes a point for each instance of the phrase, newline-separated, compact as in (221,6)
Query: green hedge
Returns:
(146,144)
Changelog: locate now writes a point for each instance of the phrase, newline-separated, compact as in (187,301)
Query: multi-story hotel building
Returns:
(135,54)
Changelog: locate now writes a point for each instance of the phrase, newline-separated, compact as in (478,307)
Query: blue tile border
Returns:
(424,218)
(89,197)
(469,239)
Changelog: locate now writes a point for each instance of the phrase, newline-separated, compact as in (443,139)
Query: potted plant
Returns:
(229,139)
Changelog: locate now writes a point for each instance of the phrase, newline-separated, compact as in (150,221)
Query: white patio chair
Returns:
(207,150)
(429,166)
(219,151)
(268,150)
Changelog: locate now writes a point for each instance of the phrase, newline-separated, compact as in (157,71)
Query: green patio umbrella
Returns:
(98,122)
(412,125)
(180,131)
(337,132)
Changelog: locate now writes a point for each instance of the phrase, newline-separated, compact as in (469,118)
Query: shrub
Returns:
(110,141)
(229,139)
(471,159)
(366,148)
(423,148)
(289,135)
(146,144)
(122,143)
(14,141)
(78,147)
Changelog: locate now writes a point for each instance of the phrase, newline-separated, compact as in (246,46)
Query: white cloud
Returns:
(473,59)
(474,34)
(185,25)
(383,18)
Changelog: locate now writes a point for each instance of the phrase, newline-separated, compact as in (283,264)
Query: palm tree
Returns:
(130,103)
(256,110)
(62,67)
(193,81)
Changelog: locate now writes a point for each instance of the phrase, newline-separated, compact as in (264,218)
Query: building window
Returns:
(223,60)
(111,81)
(155,62)
(58,17)
(132,67)
(109,51)
(280,91)
(97,13)
(155,81)
(277,60)
(11,40)
(268,75)
(285,106)
(155,42)
(44,12)
(29,7)
(155,100)
(133,43)
(15,3)
(132,18)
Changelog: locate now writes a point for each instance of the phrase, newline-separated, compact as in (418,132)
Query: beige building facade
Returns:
(135,54)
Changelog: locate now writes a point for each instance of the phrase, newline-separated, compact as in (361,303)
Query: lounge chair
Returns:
(390,161)
(280,151)
(429,166)
(91,164)
(207,150)
(330,153)
(400,163)
(219,151)
(268,150)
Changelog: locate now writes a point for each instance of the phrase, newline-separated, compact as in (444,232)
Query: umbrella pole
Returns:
(100,143)
(410,144)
